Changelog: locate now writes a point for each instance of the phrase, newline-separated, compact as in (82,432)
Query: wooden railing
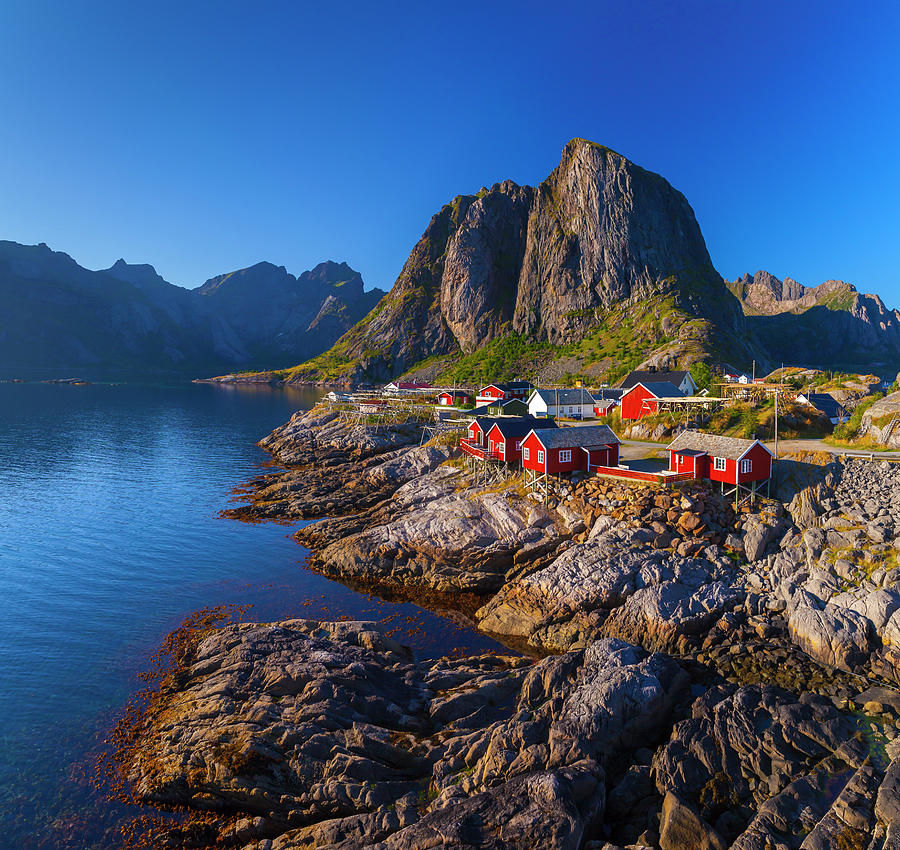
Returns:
(481,452)
(639,475)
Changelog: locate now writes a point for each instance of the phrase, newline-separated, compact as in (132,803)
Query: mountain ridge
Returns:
(794,322)
(61,316)
(600,268)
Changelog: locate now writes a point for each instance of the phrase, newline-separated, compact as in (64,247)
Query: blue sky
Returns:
(203,137)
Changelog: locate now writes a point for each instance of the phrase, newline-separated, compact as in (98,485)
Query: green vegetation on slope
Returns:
(842,299)
(502,359)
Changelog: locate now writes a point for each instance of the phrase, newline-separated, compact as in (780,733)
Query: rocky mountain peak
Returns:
(548,263)
(765,294)
(142,275)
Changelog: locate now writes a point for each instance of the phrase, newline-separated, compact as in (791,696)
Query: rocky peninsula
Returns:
(693,676)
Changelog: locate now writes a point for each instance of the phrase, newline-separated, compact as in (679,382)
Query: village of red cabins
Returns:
(544,449)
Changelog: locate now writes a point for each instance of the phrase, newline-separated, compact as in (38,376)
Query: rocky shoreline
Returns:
(708,677)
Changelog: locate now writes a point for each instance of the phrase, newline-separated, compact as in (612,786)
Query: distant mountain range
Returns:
(600,269)
(829,326)
(60,318)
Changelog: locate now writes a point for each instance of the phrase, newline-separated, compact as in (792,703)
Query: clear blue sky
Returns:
(203,137)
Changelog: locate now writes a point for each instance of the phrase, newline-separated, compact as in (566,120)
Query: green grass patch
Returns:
(849,429)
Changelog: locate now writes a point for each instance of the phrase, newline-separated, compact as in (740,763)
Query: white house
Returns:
(573,404)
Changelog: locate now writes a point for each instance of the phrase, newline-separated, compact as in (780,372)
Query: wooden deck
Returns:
(663,478)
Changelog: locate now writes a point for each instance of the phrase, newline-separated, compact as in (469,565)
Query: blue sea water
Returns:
(109,537)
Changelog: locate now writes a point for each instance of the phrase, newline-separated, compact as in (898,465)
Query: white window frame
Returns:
(502,449)
(565,456)
(746,465)
(540,456)
(720,464)
(518,445)
(525,453)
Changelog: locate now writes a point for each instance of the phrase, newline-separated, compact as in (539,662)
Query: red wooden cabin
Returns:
(564,450)
(505,436)
(730,460)
(501,392)
(450,397)
(643,399)
(478,428)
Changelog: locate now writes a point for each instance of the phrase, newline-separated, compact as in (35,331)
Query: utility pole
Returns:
(753,377)
(776,424)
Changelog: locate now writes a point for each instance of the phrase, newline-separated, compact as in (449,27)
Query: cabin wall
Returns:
(762,465)
(633,403)
(728,475)
(532,443)
(555,466)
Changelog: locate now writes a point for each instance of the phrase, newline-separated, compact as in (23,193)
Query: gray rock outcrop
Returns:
(329,734)
(615,584)
(881,422)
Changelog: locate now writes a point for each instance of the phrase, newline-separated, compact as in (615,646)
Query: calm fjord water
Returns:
(109,536)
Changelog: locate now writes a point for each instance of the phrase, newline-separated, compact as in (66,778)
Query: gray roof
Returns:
(642,376)
(827,403)
(504,402)
(526,422)
(585,436)
(662,389)
(510,385)
(714,445)
(609,394)
(484,422)
(519,426)
(566,396)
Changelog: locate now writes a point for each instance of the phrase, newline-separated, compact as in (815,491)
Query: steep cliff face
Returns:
(550,264)
(483,265)
(603,232)
(829,326)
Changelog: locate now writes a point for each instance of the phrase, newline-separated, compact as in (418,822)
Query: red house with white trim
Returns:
(502,392)
(406,386)
(451,397)
(643,399)
(499,438)
(730,460)
(564,450)
(477,429)
(505,436)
